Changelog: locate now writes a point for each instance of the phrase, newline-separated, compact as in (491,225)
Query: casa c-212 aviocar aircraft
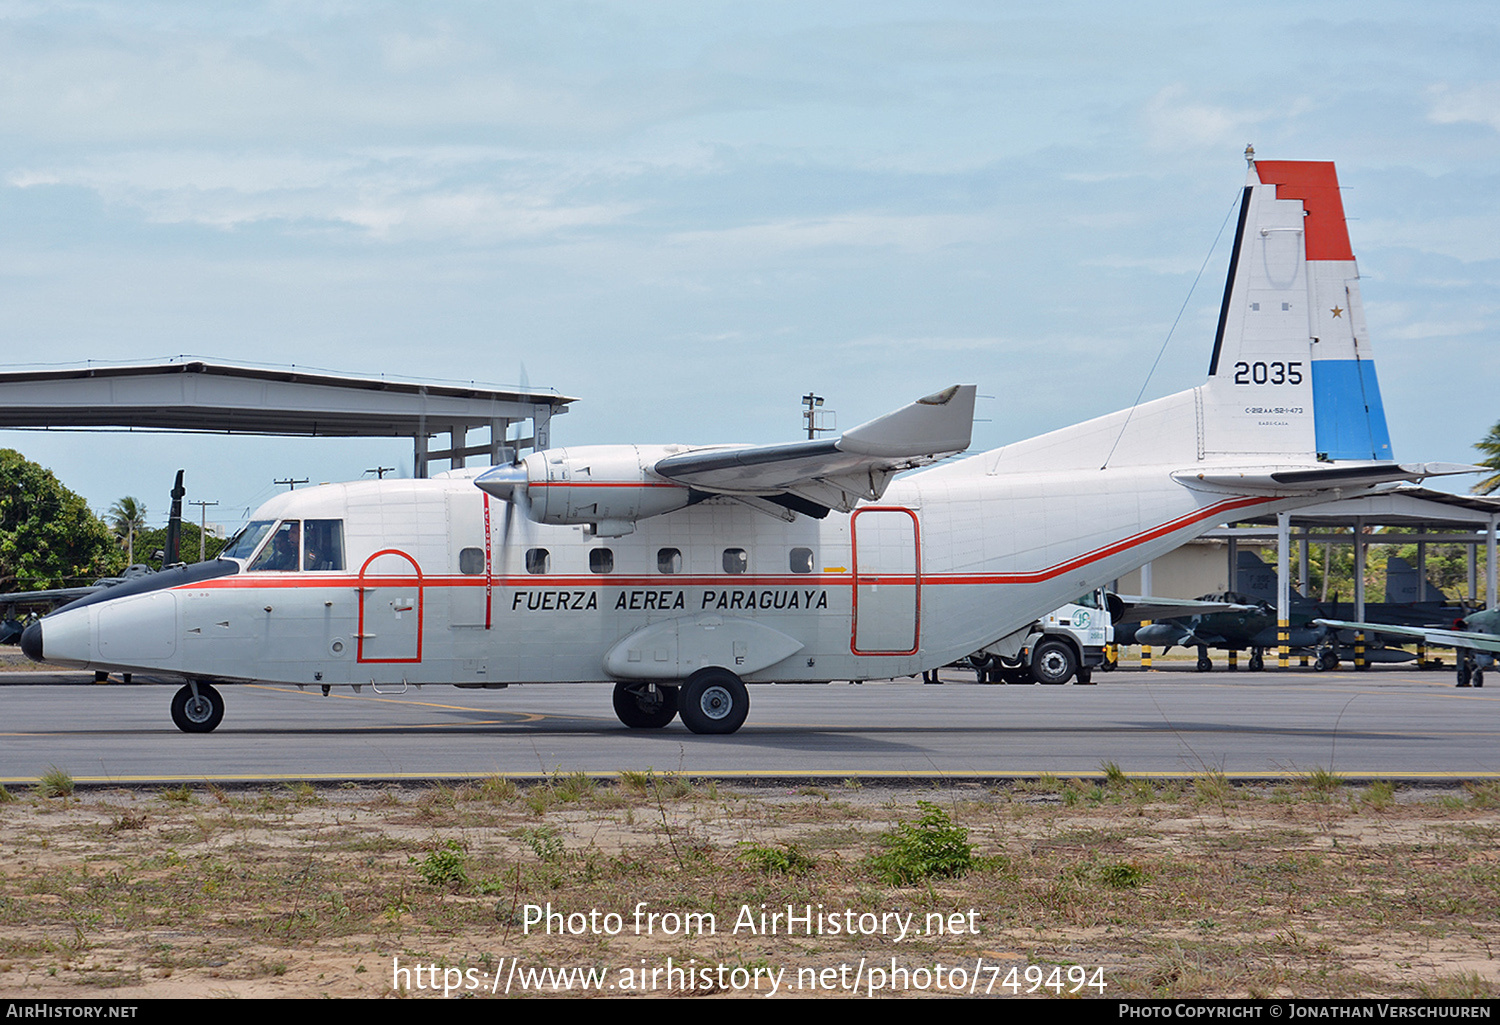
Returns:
(683,573)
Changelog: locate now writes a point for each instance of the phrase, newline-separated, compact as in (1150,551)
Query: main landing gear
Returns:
(712,700)
(197,708)
(645,706)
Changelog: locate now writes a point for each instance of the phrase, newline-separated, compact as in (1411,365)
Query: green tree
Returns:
(1490,446)
(48,536)
(127,516)
(155,539)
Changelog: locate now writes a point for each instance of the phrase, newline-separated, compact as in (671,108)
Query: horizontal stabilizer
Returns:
(1322,478)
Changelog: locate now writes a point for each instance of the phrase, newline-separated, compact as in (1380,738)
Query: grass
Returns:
(147,895)
(54,783)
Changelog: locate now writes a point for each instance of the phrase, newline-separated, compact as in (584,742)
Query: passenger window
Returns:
(280,555)
(802,560)
(601,560)
(668,560)
(471,561)
(323,544)
(736,560)
(538,560)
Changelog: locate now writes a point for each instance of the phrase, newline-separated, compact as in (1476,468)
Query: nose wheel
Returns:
(197,708)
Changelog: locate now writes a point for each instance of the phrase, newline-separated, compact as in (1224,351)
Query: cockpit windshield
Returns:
(243,544)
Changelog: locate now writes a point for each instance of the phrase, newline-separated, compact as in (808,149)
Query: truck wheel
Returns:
(1053,662)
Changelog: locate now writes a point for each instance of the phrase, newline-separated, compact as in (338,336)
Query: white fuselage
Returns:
(947,562)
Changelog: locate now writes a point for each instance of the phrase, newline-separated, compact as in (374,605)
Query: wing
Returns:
(1138,608)
(1432,635)
(837,473)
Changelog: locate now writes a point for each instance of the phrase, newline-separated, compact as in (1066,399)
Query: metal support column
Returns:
(1490,598)
(1359,590)
(1283,587)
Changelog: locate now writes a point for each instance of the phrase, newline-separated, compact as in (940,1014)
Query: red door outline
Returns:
(389,581)
(914,579)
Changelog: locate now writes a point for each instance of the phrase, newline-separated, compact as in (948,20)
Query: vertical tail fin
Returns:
(1292,372)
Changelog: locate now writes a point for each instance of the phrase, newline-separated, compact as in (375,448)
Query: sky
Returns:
(688,214)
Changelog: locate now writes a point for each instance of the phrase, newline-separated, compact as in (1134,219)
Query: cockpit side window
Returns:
(322,544)
(283,552)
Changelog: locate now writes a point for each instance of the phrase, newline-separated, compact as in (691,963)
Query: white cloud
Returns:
(1174,120)
(1479,104)
(919,233)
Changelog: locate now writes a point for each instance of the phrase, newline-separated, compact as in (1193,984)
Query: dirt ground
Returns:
(660,885)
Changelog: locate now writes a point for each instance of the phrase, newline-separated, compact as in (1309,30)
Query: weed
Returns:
(303,792)
(54,783)
(498,789)
(635,780)
(179,795)
(1484,795)
(5,795)
(576,786)
(544,842)
(1213,787)
(1323,782)
(444,866)
(1121,875)
(1113,774)
(783,859)
(1380,794)
(933,846)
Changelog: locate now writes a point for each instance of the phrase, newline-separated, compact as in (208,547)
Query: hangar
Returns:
(218,398)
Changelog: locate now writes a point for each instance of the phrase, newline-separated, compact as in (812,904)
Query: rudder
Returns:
(1292,373)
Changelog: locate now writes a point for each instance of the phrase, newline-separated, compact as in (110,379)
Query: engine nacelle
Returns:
(608,487)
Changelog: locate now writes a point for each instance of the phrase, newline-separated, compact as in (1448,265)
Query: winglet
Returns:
(941,422)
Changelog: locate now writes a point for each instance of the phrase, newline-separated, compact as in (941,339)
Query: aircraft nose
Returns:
(31,642)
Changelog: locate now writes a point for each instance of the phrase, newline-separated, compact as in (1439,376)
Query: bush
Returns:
(933,846)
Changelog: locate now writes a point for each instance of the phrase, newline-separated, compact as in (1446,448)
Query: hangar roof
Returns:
(213,397)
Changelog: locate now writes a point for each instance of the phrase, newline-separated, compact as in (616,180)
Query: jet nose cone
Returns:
(31,642)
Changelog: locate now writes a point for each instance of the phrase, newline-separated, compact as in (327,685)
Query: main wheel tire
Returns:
(1053,662)
(1257,662)
(1478,678)
(713,701)
(200,713)
(641,708)
(1328,660)
(1205,664)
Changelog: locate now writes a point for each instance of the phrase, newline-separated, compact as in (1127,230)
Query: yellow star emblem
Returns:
(1336,311)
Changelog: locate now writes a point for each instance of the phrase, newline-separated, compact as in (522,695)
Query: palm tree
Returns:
(126,517)
(1490,446)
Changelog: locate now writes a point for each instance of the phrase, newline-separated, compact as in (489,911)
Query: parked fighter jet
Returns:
(682,573)
(1475,638)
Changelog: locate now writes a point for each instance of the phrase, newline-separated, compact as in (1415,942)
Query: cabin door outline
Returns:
(887,601)
(390,608)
